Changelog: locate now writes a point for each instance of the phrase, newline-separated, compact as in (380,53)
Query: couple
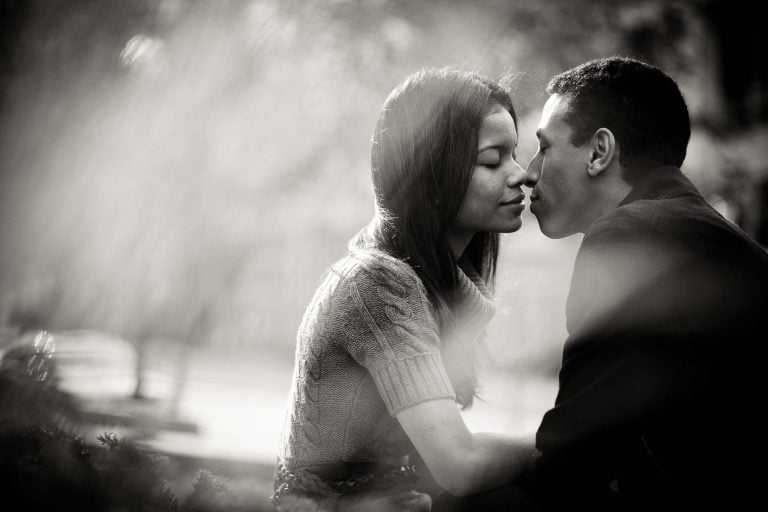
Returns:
(668,302)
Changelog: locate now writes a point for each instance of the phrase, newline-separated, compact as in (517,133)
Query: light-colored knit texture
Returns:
(406,382)
(368,347)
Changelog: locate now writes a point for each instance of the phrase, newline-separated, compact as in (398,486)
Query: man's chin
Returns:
(552,232)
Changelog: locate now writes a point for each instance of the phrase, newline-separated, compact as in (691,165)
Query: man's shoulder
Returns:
(666,219)
(676,229)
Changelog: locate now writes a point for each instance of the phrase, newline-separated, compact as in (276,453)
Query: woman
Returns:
(384,349)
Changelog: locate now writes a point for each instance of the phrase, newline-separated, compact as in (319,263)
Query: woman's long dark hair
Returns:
(424,153)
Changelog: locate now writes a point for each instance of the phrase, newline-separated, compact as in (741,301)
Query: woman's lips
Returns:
(516,200)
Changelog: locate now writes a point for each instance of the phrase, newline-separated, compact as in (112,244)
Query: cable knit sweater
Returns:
(368,347)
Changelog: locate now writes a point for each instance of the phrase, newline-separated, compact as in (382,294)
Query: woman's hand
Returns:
(463,462)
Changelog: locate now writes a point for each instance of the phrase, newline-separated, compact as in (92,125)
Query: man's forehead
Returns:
(552,114)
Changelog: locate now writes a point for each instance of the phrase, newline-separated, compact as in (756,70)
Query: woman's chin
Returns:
(512,226)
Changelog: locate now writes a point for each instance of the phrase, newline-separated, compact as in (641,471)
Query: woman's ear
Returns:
(602,151)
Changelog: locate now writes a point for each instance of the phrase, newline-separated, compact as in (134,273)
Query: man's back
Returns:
(658,385)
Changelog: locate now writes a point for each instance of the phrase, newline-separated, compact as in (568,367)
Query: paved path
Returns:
(238,405)
(232,405)
(229,413)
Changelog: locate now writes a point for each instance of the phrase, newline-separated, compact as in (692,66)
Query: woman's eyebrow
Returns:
(500,144)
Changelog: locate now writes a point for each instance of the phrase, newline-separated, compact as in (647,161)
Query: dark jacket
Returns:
(658,398)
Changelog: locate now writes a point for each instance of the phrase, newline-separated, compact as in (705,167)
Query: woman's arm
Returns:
(463,462)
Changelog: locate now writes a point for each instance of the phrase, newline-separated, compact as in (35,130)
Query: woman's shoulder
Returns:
(372,276)
(373,266)
(374,289)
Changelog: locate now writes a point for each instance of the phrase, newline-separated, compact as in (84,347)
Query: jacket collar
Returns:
(662,183)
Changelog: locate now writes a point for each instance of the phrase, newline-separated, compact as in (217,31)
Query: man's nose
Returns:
(532,173)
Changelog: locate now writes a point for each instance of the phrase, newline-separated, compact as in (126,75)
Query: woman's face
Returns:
(494,198)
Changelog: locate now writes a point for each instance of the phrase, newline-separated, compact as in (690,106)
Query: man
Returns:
(659,392)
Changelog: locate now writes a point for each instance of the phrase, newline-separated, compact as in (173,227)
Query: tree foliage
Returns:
(187,169)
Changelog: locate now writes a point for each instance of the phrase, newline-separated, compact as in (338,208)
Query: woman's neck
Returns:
(458,242)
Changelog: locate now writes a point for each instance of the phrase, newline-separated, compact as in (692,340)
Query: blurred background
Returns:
(176,175)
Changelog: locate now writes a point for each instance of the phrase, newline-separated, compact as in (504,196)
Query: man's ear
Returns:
(602,151)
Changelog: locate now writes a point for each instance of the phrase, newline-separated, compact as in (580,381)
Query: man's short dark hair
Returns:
(639,103)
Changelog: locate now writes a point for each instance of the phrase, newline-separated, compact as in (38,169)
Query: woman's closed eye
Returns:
(489,158)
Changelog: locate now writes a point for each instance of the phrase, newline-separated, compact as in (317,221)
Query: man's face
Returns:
(558,174)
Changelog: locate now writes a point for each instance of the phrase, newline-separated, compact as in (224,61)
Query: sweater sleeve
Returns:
(392,332)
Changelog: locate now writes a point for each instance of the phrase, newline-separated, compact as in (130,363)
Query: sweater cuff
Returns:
(406,382)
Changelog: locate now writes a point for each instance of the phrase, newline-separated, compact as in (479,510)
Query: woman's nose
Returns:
(517,175)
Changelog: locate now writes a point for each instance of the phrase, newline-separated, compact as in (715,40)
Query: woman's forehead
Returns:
(497,128)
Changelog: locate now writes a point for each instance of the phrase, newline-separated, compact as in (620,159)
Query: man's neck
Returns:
(608,197)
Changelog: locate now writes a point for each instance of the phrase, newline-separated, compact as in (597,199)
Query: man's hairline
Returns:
(567,99)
